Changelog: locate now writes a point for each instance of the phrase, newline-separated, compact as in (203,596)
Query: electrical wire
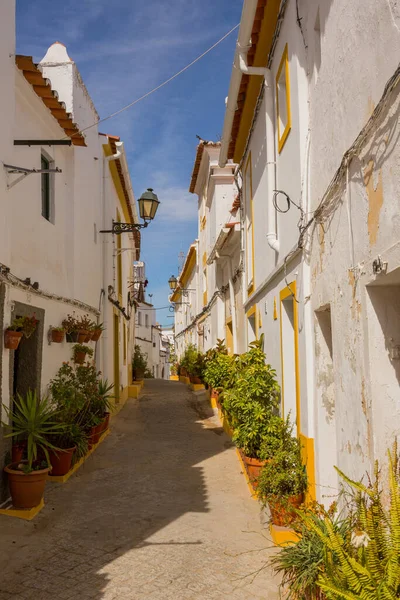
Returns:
(118,112)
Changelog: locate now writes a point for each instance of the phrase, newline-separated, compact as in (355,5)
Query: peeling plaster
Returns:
(375,200)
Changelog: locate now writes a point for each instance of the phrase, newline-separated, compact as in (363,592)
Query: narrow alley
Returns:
(160,511)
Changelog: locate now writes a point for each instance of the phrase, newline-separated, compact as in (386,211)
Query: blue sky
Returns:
(123,49)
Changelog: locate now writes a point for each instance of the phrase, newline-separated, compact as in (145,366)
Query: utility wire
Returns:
(118,112)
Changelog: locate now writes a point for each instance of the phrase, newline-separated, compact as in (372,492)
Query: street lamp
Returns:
(148,205)
(173,283)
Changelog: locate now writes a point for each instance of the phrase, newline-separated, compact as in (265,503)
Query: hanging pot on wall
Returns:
(72,337)
(12,339)
(79,358)
(57,336)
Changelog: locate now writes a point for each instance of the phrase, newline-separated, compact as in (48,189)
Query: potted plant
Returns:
(104,402)
(84,325)
(35,420)
(79,353)
(139,364)
(282,482)
(250,402)
(21,326)
(97,330)
(70,326)
(219,370)
(57,334)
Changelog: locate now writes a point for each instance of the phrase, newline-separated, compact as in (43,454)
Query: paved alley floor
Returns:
(161,510)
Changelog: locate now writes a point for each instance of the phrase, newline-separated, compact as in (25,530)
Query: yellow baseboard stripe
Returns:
(282,536)
(184,379)
(64,478)
(174,377)
(22,513)
(197,387)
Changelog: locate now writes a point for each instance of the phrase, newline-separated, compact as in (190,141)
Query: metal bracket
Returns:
(12,170)
(118,228)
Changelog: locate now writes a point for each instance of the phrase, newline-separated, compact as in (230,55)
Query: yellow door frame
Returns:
(229,334)
(116,357)
(290,291)
(250,255)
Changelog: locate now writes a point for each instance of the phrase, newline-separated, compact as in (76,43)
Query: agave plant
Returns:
(35,420)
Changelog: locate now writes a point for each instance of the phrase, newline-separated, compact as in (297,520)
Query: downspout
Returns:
(272,235)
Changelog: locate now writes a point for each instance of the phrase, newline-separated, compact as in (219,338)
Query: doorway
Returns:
(116,359)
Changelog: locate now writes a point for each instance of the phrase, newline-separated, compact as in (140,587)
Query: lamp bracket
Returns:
(118,228)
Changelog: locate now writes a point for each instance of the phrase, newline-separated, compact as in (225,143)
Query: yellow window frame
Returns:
(229,335)
(252,312)
(288,291)
(119,262)
(284,64)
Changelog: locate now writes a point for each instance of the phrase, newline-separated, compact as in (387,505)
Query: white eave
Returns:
(221,240)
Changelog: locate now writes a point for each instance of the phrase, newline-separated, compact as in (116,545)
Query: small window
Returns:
(283,100)
(46,164)
(139,318)
(146,320)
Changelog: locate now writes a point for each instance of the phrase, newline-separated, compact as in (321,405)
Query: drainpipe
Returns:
(272,235)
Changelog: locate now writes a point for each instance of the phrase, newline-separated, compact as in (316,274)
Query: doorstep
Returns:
(64,478)
(22,513)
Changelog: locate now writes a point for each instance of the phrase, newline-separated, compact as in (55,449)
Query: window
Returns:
(139,318)
(46,164)
(290,389)
(248,199)
(283,100)
(252,325)
(146,320)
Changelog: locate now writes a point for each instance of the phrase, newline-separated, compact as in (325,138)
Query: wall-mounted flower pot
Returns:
(79,358)
(96,335)
(26,489)
(88,337)
(61,461)
(57,336)
(82,335)
(72,337)
(12,339)
(283,509)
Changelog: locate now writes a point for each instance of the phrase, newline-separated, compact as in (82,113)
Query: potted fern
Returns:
(34,420)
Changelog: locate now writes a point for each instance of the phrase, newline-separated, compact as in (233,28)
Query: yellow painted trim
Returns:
(174,377)
(284,63)
(22,513)
(275,311)
(251,286)
(288,291)
(265,37)
(64,478)
(117,182)
(282,536)
(204,298)
(189,265)
(124,342)
(203,222)
(253,312)
(244,471)
(259,319)
(134,390)
(197,387)
(308,457)
(184,379)
(229,335)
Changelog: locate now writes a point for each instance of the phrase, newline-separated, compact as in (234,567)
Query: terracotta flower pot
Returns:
(61,461)
(26,489)
(79,357)
(92,437)
(96,335)
(72,337)
(12,339)
(183,372)
(88,337)
(57,336)
(17,452)
(214,394)
(254,468)
(195,379)
(138,374)
(283,509)
(82,335)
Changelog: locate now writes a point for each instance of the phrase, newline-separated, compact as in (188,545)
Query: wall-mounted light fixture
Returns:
(148,205)
(174,284)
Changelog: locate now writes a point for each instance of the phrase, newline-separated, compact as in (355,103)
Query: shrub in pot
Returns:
(21,326)
(84,326)
(283,482)
(79,353)
(139,364)
(70,326)
(219,369)
(97,330)
(251,401)
(36,421)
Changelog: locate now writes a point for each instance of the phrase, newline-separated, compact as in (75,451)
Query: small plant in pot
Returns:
(84,325)
(97,330)
(283,482)
(79,353)
(139,364)
(57,334)
(219,370)
(21,326)
(36,421)
(104,402)
(70,326)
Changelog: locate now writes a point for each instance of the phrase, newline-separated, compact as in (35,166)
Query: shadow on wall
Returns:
(143,478)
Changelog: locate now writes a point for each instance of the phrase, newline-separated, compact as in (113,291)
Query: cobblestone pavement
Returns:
(161,510)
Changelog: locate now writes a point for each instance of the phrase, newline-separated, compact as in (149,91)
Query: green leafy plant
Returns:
(84,323)
(284,475)
(103,402)
(193,361)
(139,363)
(77,348)
(58,329)
(278,436)
(25,324)
(251,400)
(97,327)
(70,323)
(36,421)
(366,563)
(220,370)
